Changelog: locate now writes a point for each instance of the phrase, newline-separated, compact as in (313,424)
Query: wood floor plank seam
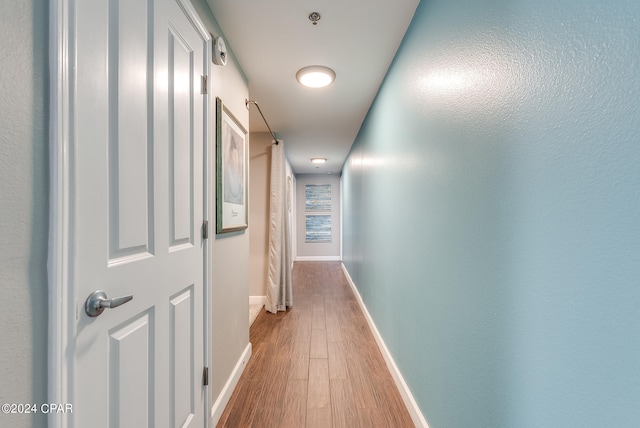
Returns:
(317,364)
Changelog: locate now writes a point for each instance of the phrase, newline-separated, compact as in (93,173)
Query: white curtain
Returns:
(279,284)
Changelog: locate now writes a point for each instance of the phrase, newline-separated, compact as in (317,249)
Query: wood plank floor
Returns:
(316,365)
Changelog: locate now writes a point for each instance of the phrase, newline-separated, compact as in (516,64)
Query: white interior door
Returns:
(139,131)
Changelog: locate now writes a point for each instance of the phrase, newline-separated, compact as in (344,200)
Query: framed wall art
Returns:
(231,172)
(318,197)
(318,228)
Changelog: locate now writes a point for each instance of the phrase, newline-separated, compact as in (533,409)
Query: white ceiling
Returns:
(273,39)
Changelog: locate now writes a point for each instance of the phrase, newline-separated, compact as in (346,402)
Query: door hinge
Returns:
(205,376)
(205,229)
(203,85)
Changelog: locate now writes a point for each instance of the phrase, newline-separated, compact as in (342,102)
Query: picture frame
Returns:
(232,156)
(318,197)
(318,228)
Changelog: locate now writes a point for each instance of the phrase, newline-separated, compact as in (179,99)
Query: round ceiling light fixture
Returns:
(315,76)
(318,160)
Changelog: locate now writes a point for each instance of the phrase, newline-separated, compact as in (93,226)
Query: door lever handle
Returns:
(97,302)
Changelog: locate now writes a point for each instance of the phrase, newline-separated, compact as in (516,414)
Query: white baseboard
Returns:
(257,300)
(407,397)
(318,259)
(225,394)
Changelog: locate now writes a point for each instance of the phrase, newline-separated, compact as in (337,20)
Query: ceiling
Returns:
(273,39)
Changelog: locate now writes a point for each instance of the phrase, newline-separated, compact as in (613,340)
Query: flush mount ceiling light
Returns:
(315,76)
(318,160)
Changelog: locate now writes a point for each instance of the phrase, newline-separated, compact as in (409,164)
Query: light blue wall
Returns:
(492,212)
(24,209)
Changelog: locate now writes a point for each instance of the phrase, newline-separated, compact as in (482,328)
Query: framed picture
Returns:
(318,197)
(318,228)
(231,172)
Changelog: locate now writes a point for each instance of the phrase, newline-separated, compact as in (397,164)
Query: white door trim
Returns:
(61,204)
(207,174)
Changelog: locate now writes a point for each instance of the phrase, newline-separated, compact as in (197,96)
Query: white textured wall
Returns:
(23,207)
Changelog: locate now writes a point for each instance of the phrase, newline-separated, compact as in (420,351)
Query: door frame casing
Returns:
(63,310)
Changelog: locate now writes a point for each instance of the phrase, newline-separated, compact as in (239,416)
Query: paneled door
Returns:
(139,139)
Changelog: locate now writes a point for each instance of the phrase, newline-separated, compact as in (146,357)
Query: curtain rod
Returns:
(246,103)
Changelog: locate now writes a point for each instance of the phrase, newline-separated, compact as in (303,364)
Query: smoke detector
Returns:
(219,51)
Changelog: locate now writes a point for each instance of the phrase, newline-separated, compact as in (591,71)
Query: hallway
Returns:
(316,365)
